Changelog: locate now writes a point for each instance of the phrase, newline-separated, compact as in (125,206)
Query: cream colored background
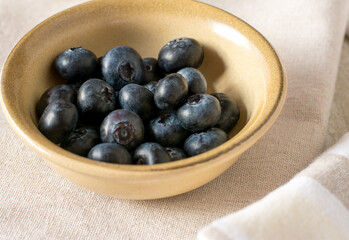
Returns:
(37,203)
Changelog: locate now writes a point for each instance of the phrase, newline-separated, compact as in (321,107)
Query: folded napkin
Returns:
(313,205)
(37,203)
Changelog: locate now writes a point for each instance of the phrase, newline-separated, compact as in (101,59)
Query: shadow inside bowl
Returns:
(212,67)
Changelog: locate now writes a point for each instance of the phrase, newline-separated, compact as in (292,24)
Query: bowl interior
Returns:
(238,61)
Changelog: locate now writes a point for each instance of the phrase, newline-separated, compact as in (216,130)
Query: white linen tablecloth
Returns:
(37,203)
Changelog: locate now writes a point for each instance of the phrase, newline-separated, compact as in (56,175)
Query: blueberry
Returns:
(152,70)
(96,98)
(180,53)
(201,111)
(123,127)
(150,153)
(167,130)
(110,153)
(198,143)
(58,120)
(175,153)
(138,99)
(59,92)
(151,86)
(196,81)
(76,64)
(230,112)
(170,91)
(121,66)
(81,140)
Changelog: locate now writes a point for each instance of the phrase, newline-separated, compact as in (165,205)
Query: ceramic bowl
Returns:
(238,61)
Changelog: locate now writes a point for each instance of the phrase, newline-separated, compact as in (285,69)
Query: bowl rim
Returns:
(84,164)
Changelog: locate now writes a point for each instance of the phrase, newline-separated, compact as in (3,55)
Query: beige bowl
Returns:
(238,61)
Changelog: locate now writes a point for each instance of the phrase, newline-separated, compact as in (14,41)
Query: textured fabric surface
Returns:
(37,203)
(339,116)
(313,205)
(300,209)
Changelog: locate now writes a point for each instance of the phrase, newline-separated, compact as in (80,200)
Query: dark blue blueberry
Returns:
(58,120)
(151,86)
(81,140)
(175,153)
(198,143)
(152,70)
(123,127)
(121,66)
(138,99)
(110,153)
(96,99)
(230,112)
(150,153)
(170,91)
(201,111)
(76,64)
(59,92)
(196,81)
(167,130)
(180,53)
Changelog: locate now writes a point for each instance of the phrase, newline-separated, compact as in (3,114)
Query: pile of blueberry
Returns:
(123,109)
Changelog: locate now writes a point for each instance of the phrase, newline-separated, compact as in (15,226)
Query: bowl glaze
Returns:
(238,61)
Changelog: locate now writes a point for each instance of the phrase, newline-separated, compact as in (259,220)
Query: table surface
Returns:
(60,203)
(339,118)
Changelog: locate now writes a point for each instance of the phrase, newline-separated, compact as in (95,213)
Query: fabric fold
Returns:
(313,205)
